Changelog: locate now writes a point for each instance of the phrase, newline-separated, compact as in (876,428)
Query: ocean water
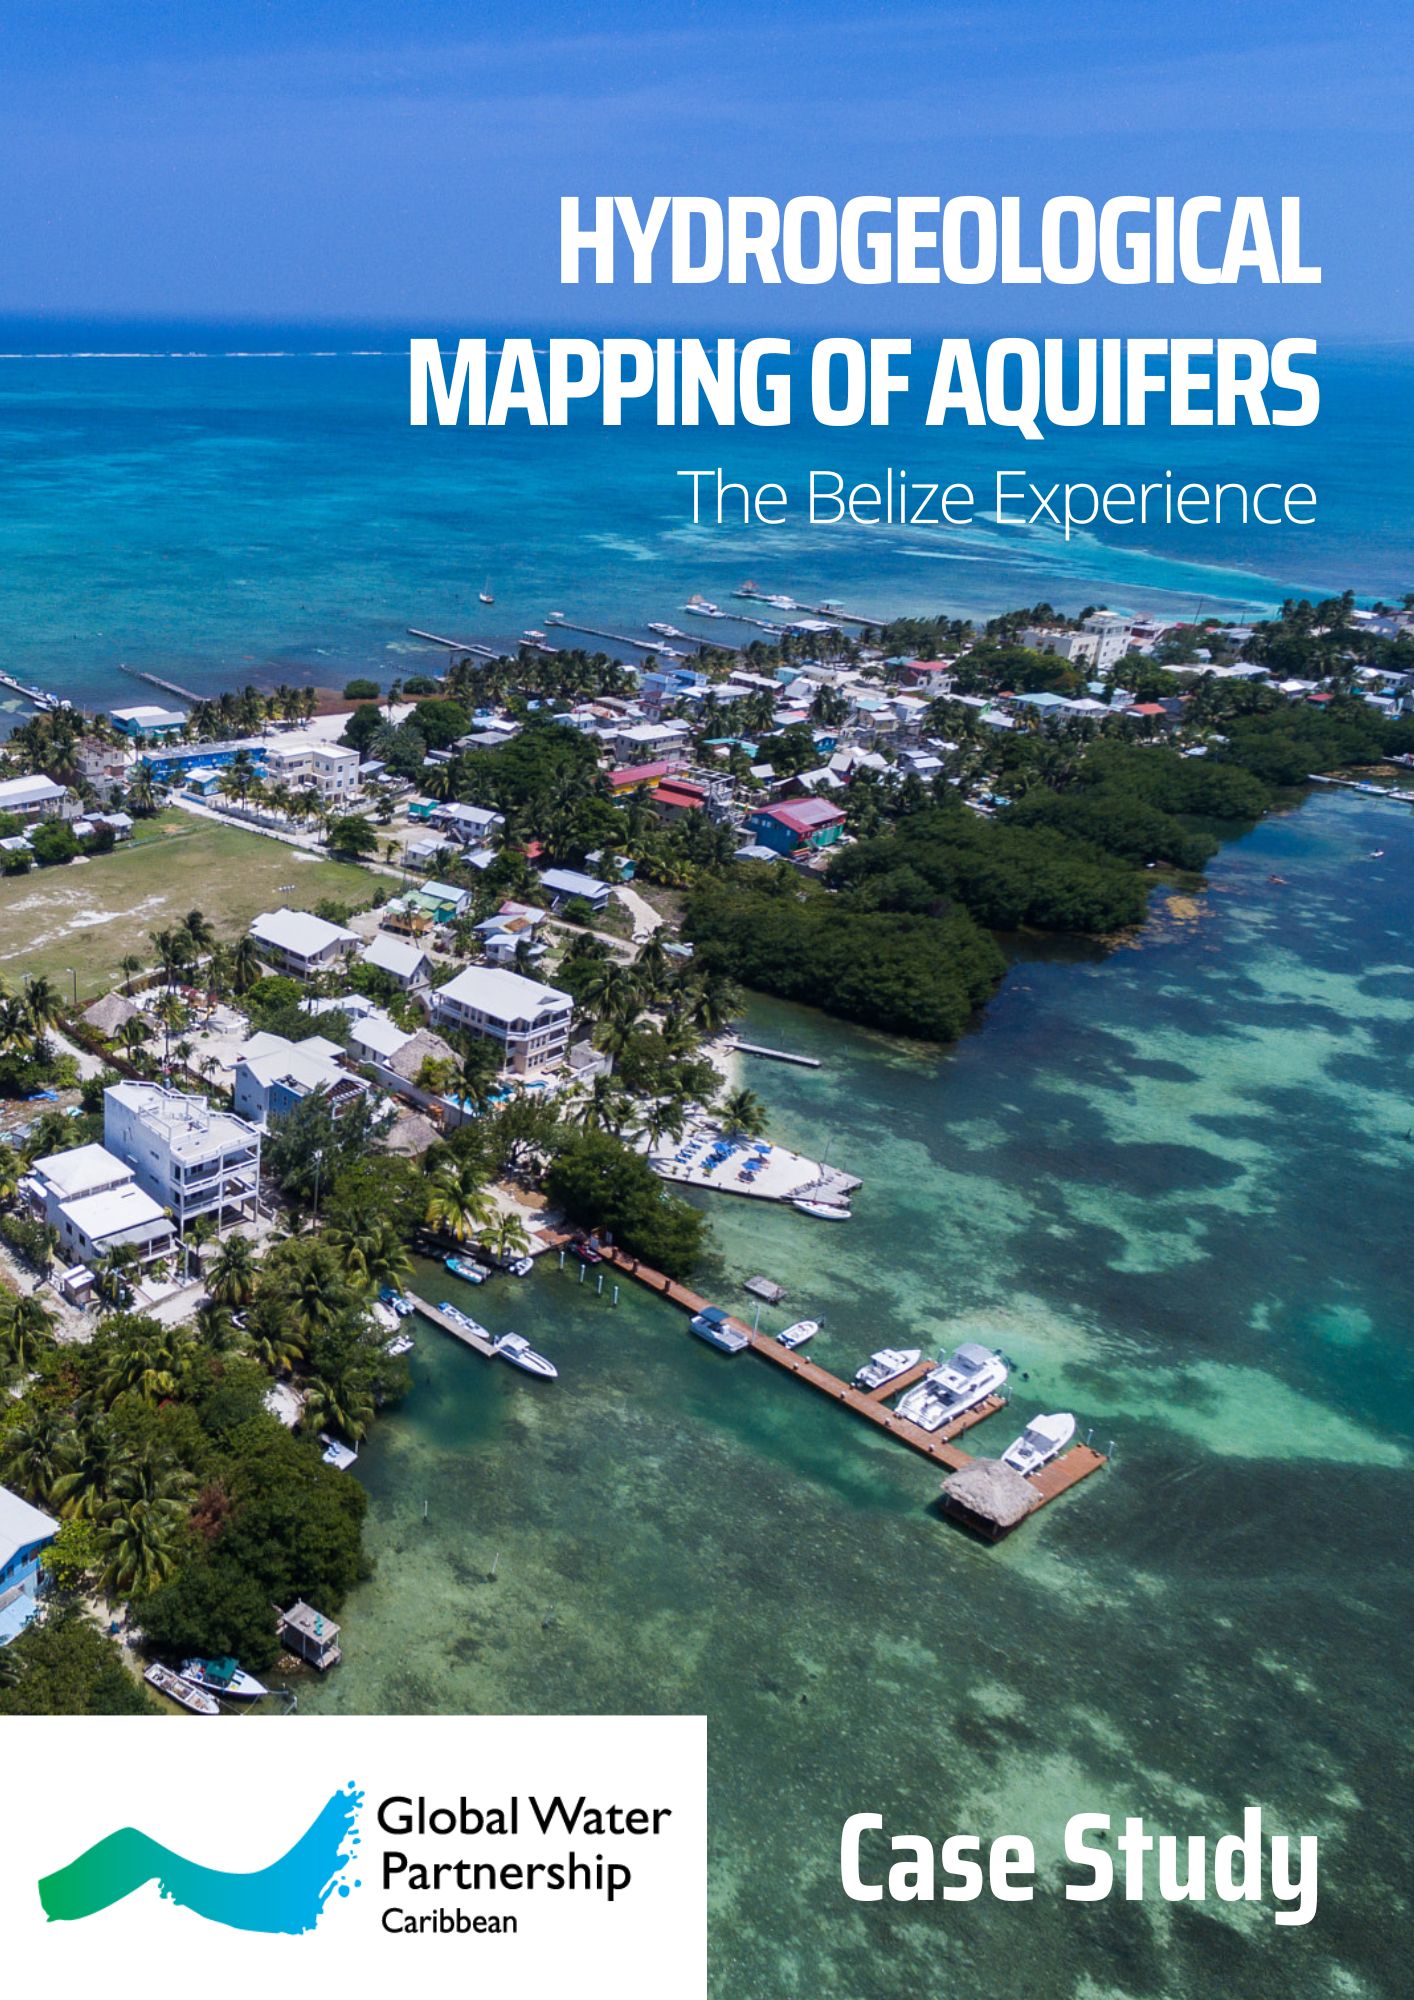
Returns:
(180,503)
(1171,1181)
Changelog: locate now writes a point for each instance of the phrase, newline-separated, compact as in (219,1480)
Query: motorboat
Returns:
(797,1334)
(885,1365)
(586,1249)
(1043,1439)
(665,631)
(463,1268)
(340,1456)
(824,1211)
(715,1327)
(398,1302)
(703,607)
(401,1343)
(223,1677)
(515,1348)
(519,1267)
(195,1700)
(465,1321)
(954,1387)
(533,633)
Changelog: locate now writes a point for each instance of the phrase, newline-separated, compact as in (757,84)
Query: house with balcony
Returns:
(530,1023)
(293,941)
(25,1533)
(91,1200)
(273,1075)
(403,961)
(305,762)
(36,797)
(191,1158)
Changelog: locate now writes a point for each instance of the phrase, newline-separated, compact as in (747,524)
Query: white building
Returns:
(472,825)
(1102,641)
(403,961)
(638,742)
(36,797)
(273,1075)
(530,1022)
(191,1159)
(300,943)
(91,1201)
(303,760)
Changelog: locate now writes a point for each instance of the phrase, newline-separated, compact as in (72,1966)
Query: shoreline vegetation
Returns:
(184,1503)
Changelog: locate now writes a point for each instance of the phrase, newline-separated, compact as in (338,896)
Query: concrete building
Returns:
(273,1075)
(25,1533)
(529,1022)
(473,826)
(148,720)
(90,1199)
(191,1159)
(302,761)
(402,960)
(298,943)
(36,797)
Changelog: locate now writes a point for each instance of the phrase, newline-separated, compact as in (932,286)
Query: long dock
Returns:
(1057,1478)
(657,646)
(833,612)
(156,680)
(458,1332)
(776,1055)
(1366,787)
(37,697)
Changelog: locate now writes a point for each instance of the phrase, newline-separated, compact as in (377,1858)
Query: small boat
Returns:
(665,631)
(485,595)
(465,1320)
(340,1456)
(401,1343)
(515,1348)
(223,1677)
(585,1248)
(703,607)
(954,1387)
(797,1334)
(533,633)
(886,1364)
(463,1268)
(519,1267)
(195,1700)
(824,1211)
(714,1326)
(1043,1439)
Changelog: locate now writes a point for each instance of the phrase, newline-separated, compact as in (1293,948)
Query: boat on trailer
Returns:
(195,1700)
(223,1677)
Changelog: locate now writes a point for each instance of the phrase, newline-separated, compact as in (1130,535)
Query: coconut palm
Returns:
(26,1330)
(371,1252)
(42,1003)
(274,1347)
(32,1453)
(245,964)
(112,1274)
(457,1204)
(506,1237)
(216,1328)
(131,965)
(343,1404)
(233,1274)
(134,1033)
(148,1361)
(142,1522)
(743,1113)
(91,1457)
(198,1232)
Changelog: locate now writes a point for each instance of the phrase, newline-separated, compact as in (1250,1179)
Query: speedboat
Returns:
(703,607)
(465,1320)
(195,1700)
(223,1677)
(715,1327)
(515,1348)
(954,1387)
(463,1268)
(665,631)
(401,1343)
(1043,1439)
(825,1211)
(885,1365)
(532,632)
(797,1335)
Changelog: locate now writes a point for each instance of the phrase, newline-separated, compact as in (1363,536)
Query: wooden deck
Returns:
(462,1333)
(872,1404)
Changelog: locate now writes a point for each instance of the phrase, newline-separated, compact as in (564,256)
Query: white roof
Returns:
(395,955)
(379,1035)
(299,933)
(148,714)
(21,1524)
(505,996)
(270,1057)
(110,1214)
(570,882)
(82,1169)
(33,790)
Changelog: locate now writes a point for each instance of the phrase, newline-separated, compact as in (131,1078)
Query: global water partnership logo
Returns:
(289,1896)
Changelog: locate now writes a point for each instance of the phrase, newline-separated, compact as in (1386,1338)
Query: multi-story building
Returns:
(91,1200)
(192,1159)
(24,1535)
(302,760)
(36,797)
(298,943)
(529,1022)
(273,1075)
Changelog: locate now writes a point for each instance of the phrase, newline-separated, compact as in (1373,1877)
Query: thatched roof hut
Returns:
(109,1014)
(990,1494)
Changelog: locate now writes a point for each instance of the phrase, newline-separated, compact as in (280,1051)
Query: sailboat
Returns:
(485,594)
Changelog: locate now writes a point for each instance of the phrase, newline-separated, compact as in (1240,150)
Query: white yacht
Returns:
(886,1364)
(515,1348)
(223,1677)
(1043,1439)
(954,1387)
(703,607)
(799,1333)
(823,1211)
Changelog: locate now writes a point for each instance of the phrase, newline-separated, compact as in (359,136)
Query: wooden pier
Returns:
(458,1332)
(833,612)
(156,680)
(776,1055)
(872,1404)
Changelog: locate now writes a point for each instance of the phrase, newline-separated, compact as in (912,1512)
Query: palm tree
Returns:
(743,1113)
(26,1330)
(233,1275)
(131,965)
(506,1237)
(91,1458)
(343,1404)
(149,1361)
(199,1231)
(274,1347)
(142,792)
(32,1453)
(371,1251)
(42,1003)
(142,1524)
(111,1274)
(133,1034)
(245,965)
(457,1204)
(200,930)
(216,1328)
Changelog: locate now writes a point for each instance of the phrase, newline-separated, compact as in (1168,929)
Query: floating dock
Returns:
(464,1334)
(872,1405)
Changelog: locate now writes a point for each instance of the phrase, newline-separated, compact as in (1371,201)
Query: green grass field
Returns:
(88,915)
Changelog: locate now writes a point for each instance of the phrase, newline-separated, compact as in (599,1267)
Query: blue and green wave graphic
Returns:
(288,1896)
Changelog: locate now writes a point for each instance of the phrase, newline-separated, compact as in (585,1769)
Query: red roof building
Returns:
(629,777)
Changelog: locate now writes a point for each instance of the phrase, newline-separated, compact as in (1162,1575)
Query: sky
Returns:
(337,160)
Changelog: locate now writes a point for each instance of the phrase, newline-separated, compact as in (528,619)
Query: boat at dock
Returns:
(465,1320)
(665,631)
(515,1348)
(226,1677)
(195,1700)
(703,607)
(885,1365)
(469,1273)
(399,1302)
(823,1211)
(954,1387)
(798,1333)
(1043,1439)
(401,1343)
(715,1327)
(340,1456)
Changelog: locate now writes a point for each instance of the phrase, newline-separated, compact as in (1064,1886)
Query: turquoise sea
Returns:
(223,504)
(1171,1180)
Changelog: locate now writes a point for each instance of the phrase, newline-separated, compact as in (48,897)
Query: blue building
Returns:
(24,1534)
(173,761)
